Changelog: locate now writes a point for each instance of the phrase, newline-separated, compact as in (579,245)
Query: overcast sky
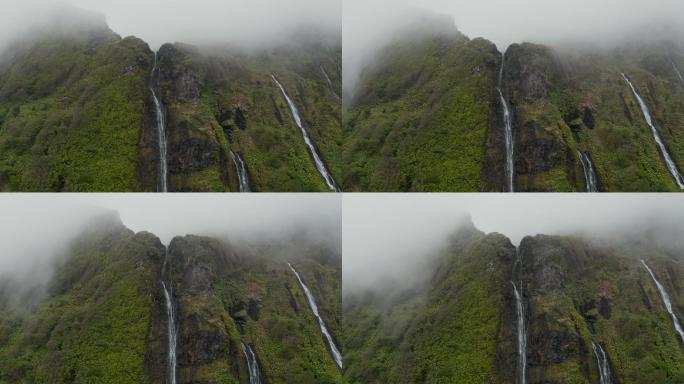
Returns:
(388,238)
(196,21)
(34,228)
(368,24)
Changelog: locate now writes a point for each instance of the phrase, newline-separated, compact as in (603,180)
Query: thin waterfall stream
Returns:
(520,323)
(671,166)
(666,301)
(252,365)
(171,322)
(679,74)
(508,129)
(337,356)
(330,84)
(320,166)
(590,179)
(162,184)
(605,376)
(241,171)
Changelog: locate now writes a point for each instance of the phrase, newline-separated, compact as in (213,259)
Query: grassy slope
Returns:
(256,300)
(243,110)
(71,114)
(448,334)
(420,119)
(92,327)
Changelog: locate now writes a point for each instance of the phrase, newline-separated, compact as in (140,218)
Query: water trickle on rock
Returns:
(508,129)
(605,376)
(162,184)
(671,166)
(320,166)
(330,84)
(241,171)
(666,301)
(590,179)
(252,365)
(337,356)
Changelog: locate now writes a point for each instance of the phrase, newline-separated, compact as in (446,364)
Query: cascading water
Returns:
(252,365)
(520,320)
(590,179)
(161,132)
(681,78)
(337,356)
(605,376)
(171,323)
(330,84)
(241,171)
(666,301)
(671,166)
(508,129)
(522,335)
(320,166)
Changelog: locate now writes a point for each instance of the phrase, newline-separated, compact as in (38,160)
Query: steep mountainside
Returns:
(580,300)
(104,317)
(428,116)
(77,113)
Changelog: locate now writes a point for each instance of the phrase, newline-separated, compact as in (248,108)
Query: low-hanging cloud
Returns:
(241,22)
(389,240)
(368,25)
(36,229)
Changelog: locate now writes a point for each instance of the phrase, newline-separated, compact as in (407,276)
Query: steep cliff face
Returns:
(576,294)
(421,119)
(71,112)
(104,317)
(221,100)
(427,116)
(226,297)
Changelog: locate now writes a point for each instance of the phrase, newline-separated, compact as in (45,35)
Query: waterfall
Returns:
(666,301)
(162,185)
(252,365)
(171,323)
(677,72)
(508,129)
(330,84)
(337,356)
(241,171)
(603,364)
(522,335)
(671,166)
(320,166)
(590,179)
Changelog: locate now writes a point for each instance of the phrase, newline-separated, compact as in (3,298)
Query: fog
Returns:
(389,240)
(36,229)
(243,22)
(370,24)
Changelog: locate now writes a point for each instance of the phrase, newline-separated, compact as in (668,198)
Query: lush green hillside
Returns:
(461,327)
(426,116)
(77,113)
(103,318)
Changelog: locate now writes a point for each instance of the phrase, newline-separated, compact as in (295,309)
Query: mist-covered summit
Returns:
(427,115)
(81,111)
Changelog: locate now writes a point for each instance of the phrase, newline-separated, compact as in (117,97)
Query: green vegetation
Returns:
(103,317)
